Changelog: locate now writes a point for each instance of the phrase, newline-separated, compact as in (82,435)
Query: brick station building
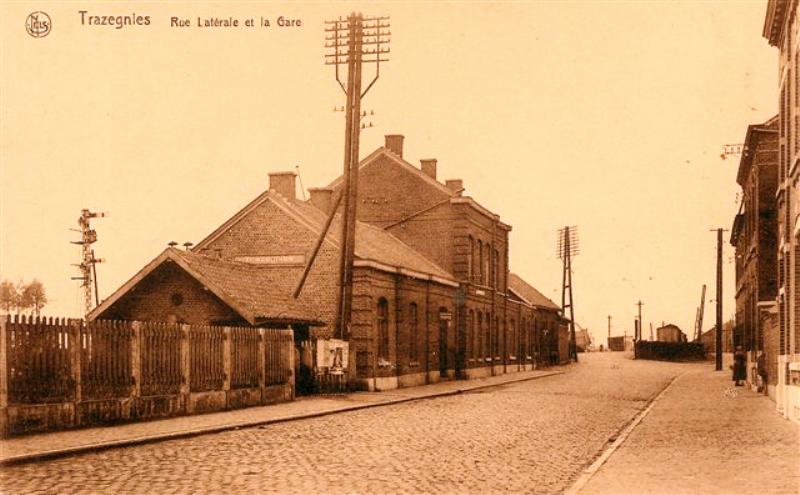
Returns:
(433,296)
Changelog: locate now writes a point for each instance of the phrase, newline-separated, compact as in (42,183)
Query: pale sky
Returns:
(608,116)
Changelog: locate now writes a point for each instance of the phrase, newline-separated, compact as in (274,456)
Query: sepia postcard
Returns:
(400,247)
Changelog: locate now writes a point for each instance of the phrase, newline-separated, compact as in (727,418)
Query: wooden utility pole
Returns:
(608,341)
(718,328)
(348,38)
(639,324)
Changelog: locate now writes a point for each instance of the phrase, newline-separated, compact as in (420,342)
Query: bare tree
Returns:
(35,294)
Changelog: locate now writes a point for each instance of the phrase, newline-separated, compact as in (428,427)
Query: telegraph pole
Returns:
(639,324)
(718,328)
(608,341)
(354,41)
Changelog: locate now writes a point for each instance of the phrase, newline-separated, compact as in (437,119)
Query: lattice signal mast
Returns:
(568,247)
(88,276)
(353,41)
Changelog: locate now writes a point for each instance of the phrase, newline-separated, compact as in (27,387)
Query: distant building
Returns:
(670,333)
(621,343)
(708,339)
(583,339)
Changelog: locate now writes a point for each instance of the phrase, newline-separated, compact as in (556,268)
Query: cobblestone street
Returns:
(533,437)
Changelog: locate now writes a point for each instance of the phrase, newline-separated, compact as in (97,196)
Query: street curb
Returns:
(129,442)
(622,435)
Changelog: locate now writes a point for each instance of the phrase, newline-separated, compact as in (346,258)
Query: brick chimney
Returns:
(283,184)
(394,143)
(455,185)
(429,167)
(321,197)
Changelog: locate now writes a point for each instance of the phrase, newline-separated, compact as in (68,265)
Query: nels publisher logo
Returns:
(38,24)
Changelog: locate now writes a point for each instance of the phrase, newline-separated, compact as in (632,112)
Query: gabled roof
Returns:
(373,244)
(382,151)
(528,293)
(257,294)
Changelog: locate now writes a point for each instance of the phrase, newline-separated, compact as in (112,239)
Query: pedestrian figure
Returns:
(761,366)
(739,366)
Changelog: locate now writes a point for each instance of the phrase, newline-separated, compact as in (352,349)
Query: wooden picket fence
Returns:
(39,356)
(106,368)
(207,359)
(52,360)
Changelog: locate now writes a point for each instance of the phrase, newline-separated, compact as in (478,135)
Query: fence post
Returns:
(4,376)
(75,365)
(262,362)
(186,368)
(136,359)
(226,364)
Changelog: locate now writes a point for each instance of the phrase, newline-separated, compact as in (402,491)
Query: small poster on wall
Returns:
(332,354)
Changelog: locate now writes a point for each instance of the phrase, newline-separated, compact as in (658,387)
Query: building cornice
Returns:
(774,20)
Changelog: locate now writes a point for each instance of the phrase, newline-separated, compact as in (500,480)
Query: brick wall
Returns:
(169,294)
(383,190)
(399,292)
(269,230)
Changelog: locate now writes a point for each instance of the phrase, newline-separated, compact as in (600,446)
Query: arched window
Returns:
(383,328)
(479,330)
(479,267)
(487,275)
(496,336)
(470,259)
(496,282)
(513,349)
(487,341)
(413,336)
(471,334)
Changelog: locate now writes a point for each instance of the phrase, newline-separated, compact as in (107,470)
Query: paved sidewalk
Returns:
(704,436)
(57,444)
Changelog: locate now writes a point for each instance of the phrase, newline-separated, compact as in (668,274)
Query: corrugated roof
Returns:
(529,293)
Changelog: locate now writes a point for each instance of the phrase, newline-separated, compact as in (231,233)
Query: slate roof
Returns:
(258,294)
(529,294)
(372,243)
